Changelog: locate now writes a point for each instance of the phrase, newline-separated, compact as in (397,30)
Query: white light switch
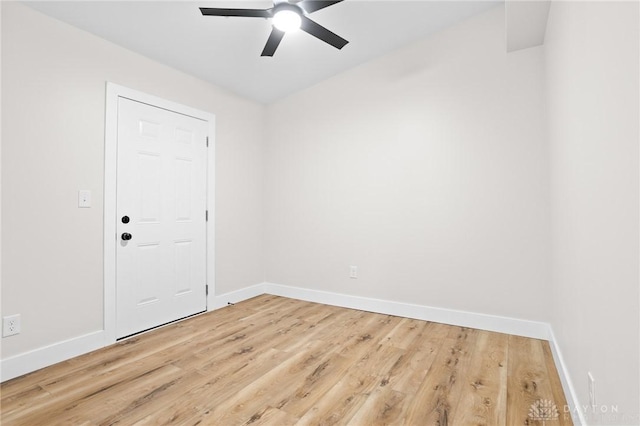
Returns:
(84,198)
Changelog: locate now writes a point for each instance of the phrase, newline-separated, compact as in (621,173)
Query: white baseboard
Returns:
(565,378)
(52,354)
(220,301)
(36,359)
(519,327)
(61,351)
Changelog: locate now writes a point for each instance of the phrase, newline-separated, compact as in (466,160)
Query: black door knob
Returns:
(126,236)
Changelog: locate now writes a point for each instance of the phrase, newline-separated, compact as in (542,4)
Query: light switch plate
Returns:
(84,198)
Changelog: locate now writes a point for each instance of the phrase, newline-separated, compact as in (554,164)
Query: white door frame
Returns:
(113,92)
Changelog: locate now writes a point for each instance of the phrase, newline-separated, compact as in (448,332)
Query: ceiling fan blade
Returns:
(273,42)
(322,33)
(247,13)
(311,6)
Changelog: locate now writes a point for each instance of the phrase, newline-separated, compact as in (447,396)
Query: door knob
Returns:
(126,236)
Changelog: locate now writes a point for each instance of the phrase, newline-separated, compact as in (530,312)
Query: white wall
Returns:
(591,52)
(53,102)
(426,168)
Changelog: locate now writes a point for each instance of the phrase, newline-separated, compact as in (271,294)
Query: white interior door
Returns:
(161,206)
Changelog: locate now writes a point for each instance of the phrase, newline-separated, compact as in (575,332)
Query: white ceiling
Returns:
(226,51)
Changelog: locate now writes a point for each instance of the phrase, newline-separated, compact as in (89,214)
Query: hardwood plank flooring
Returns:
(277,361)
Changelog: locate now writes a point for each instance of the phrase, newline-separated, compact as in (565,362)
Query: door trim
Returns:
(113,93)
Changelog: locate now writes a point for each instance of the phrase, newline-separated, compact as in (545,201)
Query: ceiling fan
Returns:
(286,16)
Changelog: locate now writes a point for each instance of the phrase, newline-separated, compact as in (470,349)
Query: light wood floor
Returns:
(278,361)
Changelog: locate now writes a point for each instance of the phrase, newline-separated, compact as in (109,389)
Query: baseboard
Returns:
(567,384)
(220,301)
(519,327)
(43,357)
(52,354)
(36,359)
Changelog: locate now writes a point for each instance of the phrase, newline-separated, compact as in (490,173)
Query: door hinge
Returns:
(207,141)
(206,289)
(206,215)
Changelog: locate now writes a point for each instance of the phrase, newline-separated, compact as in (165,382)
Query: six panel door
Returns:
(161,205)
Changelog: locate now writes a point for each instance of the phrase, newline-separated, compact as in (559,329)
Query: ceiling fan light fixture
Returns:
(286,16)
(287,20)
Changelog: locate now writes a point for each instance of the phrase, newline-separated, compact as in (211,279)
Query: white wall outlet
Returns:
(10,325)
(84,198)
(592,389)
(353,272)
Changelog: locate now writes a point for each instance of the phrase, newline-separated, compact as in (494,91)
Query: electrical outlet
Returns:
(353,272)
(10,325)
(84,198)
(592,389)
